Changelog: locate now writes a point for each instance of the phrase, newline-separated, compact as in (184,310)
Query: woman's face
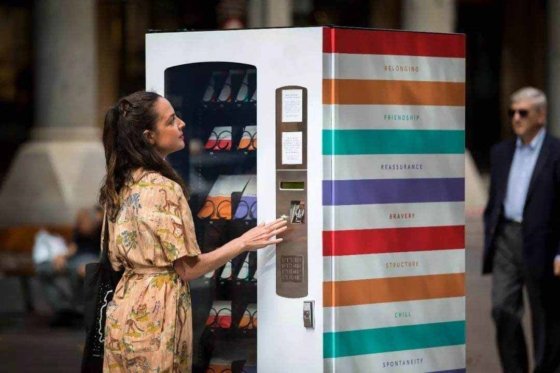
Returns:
(167,137)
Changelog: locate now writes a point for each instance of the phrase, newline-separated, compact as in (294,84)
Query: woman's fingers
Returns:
(277,223)
(278,231)
(271,233)
(262,235)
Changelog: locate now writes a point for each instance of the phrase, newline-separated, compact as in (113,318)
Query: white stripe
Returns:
(384,315)
(414,263)
(393,67)
(393,166)
(417,117)
(393,215)
(413,361)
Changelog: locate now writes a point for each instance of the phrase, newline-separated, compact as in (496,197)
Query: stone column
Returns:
(439,16)
(428,15)
(553,66)
(385,14)
(255,13)
(269,13)
(60,169)
(279,13)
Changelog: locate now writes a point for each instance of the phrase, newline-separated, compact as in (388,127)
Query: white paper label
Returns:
(292,105)
(292,147)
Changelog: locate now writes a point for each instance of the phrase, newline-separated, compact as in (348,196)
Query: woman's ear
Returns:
(149,136)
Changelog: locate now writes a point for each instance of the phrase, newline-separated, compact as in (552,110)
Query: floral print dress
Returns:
(149,327)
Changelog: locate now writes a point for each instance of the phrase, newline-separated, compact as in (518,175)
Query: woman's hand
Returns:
(262,235)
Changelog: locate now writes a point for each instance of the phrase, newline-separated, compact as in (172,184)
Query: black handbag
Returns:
(99,286)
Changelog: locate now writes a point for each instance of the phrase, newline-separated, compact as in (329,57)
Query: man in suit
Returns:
(522,236)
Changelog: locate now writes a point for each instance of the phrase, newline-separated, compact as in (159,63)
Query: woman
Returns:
(151,236)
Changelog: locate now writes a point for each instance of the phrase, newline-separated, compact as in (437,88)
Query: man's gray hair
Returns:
(536,96)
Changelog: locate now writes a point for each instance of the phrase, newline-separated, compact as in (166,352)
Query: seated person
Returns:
(62,277)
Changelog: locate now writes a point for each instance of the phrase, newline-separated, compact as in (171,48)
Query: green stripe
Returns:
(352,142)
(400,338)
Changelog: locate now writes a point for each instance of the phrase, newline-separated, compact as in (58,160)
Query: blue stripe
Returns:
(363,192)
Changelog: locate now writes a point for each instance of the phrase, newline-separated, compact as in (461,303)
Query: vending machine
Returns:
(356,137)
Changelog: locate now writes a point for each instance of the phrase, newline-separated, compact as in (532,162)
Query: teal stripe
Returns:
(400,338)
(353,142)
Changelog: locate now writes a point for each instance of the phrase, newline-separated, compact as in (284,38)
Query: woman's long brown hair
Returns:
(126,148)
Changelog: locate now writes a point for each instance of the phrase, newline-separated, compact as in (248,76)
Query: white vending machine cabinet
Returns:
(361,148)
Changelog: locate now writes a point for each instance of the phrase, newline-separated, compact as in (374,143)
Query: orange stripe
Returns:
(395,289)
(392,92)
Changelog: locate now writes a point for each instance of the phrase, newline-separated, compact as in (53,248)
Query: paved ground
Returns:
(481,350)
(28,345)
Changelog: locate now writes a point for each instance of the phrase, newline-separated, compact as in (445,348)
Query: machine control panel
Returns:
(291,190)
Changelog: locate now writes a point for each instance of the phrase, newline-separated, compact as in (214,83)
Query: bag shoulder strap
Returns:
(105,238)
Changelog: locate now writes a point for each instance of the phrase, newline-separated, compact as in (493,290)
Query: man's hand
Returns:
(557,266)
(59,263)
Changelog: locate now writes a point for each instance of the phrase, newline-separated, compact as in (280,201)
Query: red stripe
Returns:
(402,43)
(393,240)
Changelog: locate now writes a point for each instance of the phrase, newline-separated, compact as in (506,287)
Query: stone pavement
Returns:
(28,345)
(481,350)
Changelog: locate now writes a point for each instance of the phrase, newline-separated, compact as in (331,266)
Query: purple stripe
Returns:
(463,370)
(362,192)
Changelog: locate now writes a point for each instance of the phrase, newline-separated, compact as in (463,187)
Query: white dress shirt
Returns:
(522,167)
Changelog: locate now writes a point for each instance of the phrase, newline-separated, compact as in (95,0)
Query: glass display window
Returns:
(217,101)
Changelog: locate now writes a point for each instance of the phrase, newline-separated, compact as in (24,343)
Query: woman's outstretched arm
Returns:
(192,267)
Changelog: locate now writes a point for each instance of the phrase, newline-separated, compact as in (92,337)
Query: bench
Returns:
(16,254)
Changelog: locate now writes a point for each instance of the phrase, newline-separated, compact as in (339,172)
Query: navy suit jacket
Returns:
(541,214)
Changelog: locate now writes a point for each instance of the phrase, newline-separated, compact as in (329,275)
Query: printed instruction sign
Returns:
(292,147)
(292,106)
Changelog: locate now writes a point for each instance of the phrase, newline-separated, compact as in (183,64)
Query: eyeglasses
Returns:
(523,113)
(216,208)
(246,209)
(220,139)
(220,317)
(248,141)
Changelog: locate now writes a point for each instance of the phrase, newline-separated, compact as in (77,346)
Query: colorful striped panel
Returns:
(393,201)
(395,289)
(403,117)
(397,215)
(355,41)
(361,192)
(376,67)
(414,263)
(438,359)
(392,92)
(394,166)
(410,337)
(393,240)
(351,142)
(384,315)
